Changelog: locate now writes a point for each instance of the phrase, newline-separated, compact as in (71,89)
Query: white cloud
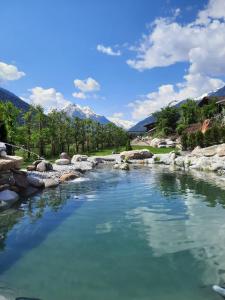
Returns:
(108,50)
(200,43)
(193,86)
(86,86)
(79,95)
(48,98)
(9,72)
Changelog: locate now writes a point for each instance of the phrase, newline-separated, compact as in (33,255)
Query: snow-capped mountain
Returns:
(84,112)
(122,123)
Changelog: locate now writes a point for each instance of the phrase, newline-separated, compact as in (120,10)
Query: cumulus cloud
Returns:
(48,98)
(9,72)
(86,86)
(108,50)
(200,43)
(117,115)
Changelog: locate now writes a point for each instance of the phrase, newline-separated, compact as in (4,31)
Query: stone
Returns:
(78,157)
(10,162)
(64,155)
(4,187)
(29,191)
(8,198)
(50,182)
(31,168)
(21,180)
(36,162)
(44,166)
(122,166)
(14,188)
(155,142)
(208,151)
(62,161)
(136,154)
(221,150)
(69,176)
(35,181)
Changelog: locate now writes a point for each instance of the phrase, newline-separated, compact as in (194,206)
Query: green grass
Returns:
(154,150)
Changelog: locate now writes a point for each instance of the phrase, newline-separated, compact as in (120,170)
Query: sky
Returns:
(123,58)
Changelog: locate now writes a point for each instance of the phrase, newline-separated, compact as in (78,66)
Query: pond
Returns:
(115,235)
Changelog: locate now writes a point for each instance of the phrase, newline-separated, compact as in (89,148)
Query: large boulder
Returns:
(44,166)
(35,181)
(20,178)
(69,176)
(10,162)
(78,157)
(208,151)
(136,154)
(155,142)
(8,198)
(221,150)
(62,161)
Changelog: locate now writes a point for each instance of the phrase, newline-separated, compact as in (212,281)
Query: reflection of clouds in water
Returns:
(104,228)
(202,233)
(87,198)
(81,179)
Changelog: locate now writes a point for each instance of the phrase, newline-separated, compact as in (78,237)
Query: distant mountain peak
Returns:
(83,112)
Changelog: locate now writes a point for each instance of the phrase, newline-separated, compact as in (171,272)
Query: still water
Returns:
(147,234)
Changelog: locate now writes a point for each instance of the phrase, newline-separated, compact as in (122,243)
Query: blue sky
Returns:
(47,44)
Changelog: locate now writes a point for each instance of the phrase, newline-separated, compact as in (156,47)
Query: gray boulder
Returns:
(122,166)
(64,155)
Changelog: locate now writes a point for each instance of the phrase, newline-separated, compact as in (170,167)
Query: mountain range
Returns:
(139,127)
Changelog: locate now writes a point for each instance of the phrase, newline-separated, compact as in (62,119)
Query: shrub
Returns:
(184,141)
(128,145)
(199,138)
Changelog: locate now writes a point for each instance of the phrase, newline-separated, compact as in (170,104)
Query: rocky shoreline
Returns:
(16,183)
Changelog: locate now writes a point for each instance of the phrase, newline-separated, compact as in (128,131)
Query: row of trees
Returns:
(56,132)
(213,136)
(172,119)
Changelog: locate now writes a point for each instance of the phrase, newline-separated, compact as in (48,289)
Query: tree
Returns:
(189,112)
(166,120)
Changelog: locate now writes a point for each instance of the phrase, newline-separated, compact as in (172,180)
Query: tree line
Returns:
(49,135)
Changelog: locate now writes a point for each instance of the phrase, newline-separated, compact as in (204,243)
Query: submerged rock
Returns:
(8,198)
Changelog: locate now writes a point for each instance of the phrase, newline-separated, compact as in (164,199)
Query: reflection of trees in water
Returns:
(177,182)
(7,221)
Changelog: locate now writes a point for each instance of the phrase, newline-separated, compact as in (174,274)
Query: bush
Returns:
(184,141)
(180,128)
(192,140)
(199,138)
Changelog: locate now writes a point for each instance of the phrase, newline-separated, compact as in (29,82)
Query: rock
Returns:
(50,182)
(208,151)
(8,198)
(79,157)
(44,166)
(14,188)
(10,162)
(136,154)
(31,168)
(36,162)
(29,191)
(155,142)
(166,159)
(62,161)
(4,187)
(221,150)
(35,181)
(122,166)
(21,179)
(69,176)
(64,155)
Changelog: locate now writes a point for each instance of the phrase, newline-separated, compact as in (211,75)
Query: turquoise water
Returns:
(138,235)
